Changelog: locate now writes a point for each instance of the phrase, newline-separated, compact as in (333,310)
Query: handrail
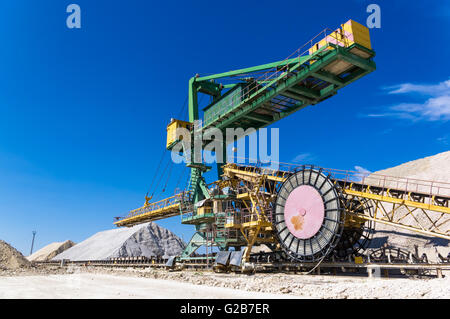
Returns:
(170,201)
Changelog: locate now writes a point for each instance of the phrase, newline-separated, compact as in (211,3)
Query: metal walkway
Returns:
(165,208)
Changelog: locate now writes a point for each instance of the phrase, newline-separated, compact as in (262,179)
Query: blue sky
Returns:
(83,112)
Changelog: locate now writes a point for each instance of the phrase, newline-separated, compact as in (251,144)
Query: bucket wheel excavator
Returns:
(305,213)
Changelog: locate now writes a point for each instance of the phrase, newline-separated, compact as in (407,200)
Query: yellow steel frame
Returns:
(433,214)
(399,201)
(418,210)
(258,201)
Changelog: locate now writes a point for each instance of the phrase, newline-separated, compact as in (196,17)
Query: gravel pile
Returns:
(147,240)
(434,168)
(11,258)
(48,252)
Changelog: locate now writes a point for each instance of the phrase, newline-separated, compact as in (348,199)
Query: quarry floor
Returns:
(99,286)
(90,282)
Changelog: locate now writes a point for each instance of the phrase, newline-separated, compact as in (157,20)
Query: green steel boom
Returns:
(293,85)
(286,87)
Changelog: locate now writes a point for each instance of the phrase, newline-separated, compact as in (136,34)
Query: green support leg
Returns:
(224,158)
(197,240)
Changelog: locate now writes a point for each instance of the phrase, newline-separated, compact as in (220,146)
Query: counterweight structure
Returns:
(307,213)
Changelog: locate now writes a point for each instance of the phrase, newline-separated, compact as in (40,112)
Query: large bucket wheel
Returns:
(308,215)
(357,232)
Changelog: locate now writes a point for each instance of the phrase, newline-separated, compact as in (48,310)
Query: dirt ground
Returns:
(82,282)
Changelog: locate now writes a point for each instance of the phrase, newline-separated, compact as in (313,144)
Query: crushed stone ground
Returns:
(289,285)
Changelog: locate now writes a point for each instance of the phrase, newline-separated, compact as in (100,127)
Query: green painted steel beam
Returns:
(328,77)
(209,88)
(204,188)
(260,118)
(329,90)
(305,91)
(254,68)
(197,240)
(224,157)
(356,75)
(296,96)
(294,109)
(358,61)
(193,100)
(229,86)
(363,48)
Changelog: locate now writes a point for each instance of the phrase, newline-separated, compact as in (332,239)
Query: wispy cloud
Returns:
(444,139)
(363,171)
(435,108)
(304,157)
(428,89)
(386,131)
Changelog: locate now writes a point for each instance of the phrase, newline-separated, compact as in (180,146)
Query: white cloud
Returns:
(304,157)
(363,171)
(429,89)
(444,139)
(435,108)
(386,131)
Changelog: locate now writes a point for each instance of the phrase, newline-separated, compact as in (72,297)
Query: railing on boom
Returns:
(181,198)
(282,69)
